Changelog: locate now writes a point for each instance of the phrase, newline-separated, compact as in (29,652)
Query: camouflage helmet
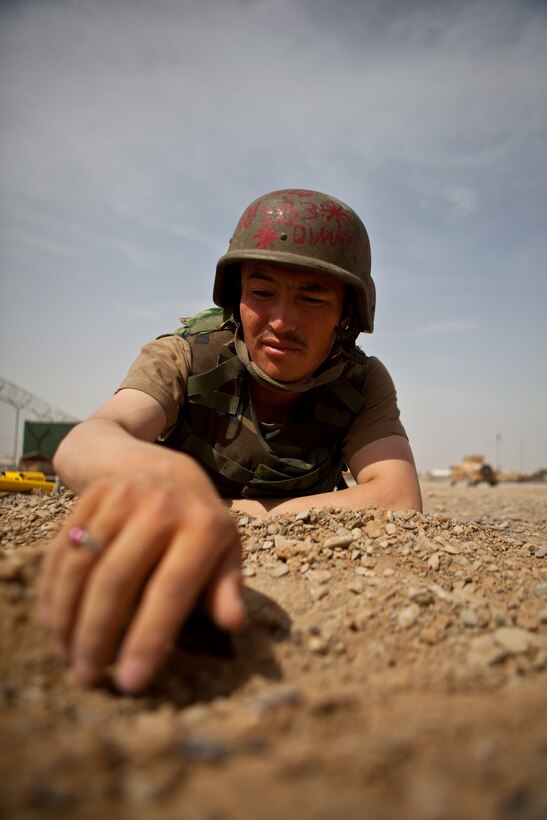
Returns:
(303,229)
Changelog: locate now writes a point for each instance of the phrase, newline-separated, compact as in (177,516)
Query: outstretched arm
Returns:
(385,477)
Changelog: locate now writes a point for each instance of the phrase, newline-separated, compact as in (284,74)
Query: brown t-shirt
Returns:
(163,366)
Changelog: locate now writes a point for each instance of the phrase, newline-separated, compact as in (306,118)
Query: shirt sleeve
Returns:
(161,370)
(380,414)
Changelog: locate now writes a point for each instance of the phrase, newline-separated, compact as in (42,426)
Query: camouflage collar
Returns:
(329,375)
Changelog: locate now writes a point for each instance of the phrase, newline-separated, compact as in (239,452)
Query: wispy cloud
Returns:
(462,200)
(446,326)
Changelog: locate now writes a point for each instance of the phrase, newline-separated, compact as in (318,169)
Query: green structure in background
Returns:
(44,436)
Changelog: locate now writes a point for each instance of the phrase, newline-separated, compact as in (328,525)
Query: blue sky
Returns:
(133,134)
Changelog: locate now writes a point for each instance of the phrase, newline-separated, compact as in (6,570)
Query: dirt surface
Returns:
(392,666)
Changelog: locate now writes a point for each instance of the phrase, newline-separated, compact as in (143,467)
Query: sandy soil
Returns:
(392,666)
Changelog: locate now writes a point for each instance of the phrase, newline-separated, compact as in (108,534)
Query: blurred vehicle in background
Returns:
(474,470)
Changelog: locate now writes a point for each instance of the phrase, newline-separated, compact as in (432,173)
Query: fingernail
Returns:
(132,675)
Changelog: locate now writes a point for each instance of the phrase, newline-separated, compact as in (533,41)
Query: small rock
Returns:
(468,617)
(374,530)
(451,550)
(318,646)
(527,621)
(434,562)
(484,651)
(408,616)
(541,590)
(318,592)
(540,552)
(319,576)
(341,541)
(512,639)
(423,597)
(248,572)
(280,571)
(276,696)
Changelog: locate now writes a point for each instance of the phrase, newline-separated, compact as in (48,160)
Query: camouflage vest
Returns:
(219,428)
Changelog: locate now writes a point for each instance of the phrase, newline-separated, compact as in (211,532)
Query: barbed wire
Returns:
(33,405)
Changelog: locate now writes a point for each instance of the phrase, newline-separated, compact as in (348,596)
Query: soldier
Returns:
(257,404)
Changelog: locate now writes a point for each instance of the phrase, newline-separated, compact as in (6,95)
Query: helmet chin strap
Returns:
(263,379)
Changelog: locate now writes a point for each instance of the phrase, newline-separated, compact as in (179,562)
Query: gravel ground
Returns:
(392,666)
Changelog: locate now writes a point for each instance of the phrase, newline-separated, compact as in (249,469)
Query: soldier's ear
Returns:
(347,312)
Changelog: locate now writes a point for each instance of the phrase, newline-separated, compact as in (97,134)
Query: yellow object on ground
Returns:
(16,482)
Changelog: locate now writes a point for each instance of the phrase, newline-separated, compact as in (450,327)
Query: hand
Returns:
(165,542)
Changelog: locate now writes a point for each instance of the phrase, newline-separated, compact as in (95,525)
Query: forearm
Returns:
(101,448)
(402,495)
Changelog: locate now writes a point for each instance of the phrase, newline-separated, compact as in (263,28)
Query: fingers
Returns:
(94,597)
(155,539)
(58,550)
(112,594)
(102,511)
(186,568)
(223,600)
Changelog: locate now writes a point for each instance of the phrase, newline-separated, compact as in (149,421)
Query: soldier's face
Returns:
(289,318)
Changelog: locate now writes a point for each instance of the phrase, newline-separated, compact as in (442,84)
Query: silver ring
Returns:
(80,537)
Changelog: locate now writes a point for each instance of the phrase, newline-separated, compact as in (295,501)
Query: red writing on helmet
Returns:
(322,236)
(292,209)
(249,216)
(266,237)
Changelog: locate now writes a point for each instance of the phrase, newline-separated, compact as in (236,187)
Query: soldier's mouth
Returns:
(290,345)
(275,348)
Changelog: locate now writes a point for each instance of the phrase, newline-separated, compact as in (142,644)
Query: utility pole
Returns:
(498,451)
